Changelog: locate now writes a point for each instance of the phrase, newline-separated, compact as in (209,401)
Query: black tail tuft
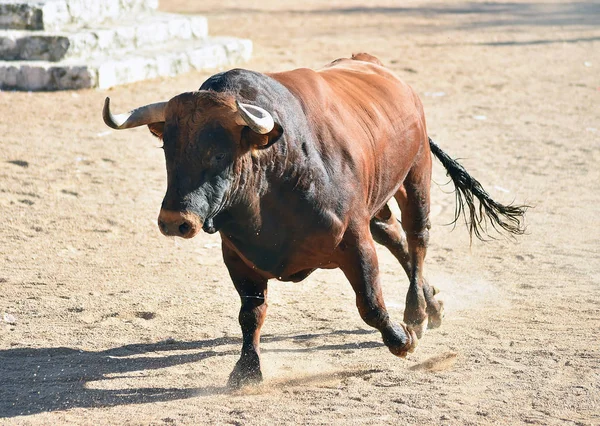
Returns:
(502,218)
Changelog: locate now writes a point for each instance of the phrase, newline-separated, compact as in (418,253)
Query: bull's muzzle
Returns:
(179,224)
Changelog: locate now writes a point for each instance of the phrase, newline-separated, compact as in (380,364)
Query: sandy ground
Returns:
(105,321)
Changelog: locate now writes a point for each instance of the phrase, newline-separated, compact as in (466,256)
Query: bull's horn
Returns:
(256,118)
(146,114)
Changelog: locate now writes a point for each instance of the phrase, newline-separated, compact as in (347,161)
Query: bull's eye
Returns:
(219,157)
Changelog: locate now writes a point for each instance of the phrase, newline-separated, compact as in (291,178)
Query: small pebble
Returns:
(11,319)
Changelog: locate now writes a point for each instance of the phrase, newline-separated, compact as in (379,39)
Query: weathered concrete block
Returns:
(228,51)
(106,71)
(21,15)
(75,44)
(173,59)
(133,33)
(28,46)
(54,14)
(43,77)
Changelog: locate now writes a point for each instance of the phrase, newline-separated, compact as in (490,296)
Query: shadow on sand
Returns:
(480,15)
(35,380)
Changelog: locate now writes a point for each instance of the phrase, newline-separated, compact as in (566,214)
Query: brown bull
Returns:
(295,170)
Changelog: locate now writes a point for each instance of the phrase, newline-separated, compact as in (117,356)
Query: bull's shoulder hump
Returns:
(295,77)
(359,67)
(304,83)
(363,57)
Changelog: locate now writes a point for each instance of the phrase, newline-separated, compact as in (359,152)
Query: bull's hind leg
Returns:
(422,309)
(358,261)
(252,289)
(386,231)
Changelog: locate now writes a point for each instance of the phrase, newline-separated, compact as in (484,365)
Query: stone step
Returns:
(126,66)
(55,14)
(136,32)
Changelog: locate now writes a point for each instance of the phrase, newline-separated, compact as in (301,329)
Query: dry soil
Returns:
(104,321)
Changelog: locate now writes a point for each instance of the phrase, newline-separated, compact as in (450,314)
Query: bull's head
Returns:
(207,137)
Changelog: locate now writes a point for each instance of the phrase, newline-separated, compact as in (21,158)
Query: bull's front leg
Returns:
(358,261)
(252,289)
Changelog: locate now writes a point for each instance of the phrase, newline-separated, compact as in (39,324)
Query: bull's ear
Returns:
(157,129)
(258,141)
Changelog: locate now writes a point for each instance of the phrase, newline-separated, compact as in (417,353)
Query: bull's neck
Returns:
(287,167)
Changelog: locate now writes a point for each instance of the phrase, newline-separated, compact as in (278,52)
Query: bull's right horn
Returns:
(255,117)
(146,114)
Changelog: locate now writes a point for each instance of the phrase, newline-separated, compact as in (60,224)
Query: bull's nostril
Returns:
(184,228)
(163,226)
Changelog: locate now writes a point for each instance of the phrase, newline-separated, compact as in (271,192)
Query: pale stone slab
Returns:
(134,33)
(34,76)
(75,44)
(103,72)
(54,14)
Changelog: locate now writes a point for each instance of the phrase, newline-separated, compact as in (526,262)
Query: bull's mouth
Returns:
(209,226)
(214,222)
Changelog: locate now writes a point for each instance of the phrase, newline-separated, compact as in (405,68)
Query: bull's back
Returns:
(368,124)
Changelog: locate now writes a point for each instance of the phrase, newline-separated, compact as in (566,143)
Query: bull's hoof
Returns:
(246,372)
(416,320)
(400,340)
(238,379)
(435,315)
(418,328)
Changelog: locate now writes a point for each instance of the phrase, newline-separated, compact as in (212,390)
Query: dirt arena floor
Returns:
(104,321)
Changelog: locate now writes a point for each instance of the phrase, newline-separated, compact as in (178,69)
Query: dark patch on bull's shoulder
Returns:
(236,80)
(252,86)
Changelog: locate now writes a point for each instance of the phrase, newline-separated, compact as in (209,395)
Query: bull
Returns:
(295,170)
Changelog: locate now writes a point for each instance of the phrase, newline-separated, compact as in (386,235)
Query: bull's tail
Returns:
(502,218)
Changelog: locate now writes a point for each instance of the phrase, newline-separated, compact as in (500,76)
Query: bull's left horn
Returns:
(146,114)
(256,118)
